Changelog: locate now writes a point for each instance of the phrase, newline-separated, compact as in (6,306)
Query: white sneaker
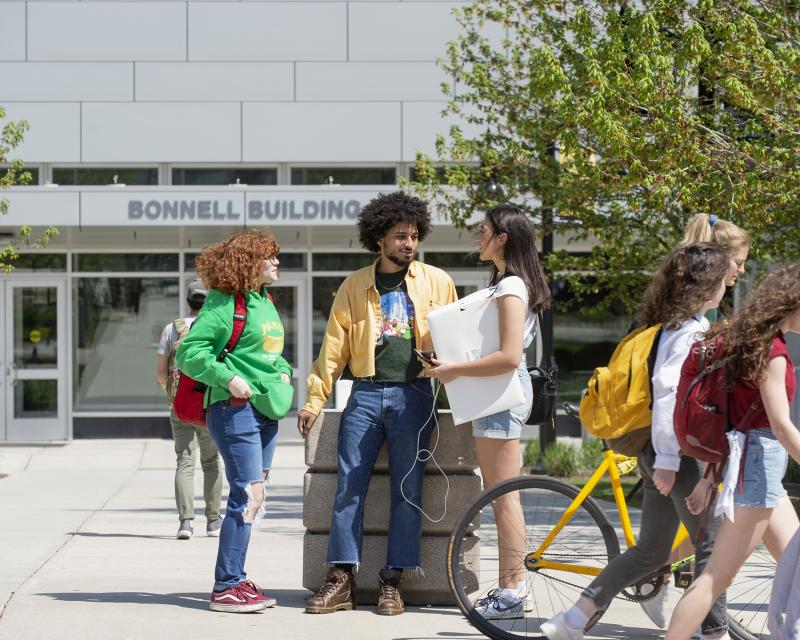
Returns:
(493,607)
(556,628)
(654,607)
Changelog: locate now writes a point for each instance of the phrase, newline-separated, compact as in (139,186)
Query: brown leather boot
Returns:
(389,601)
(337,594)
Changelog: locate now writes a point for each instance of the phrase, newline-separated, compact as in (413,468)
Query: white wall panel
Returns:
(401,31)
(422,122)
(274,31)
(12,30)
(66,81)
(322,132)
(161,132)
(350,81)
(56,207)
(54,135)
(107,31)
(214,81)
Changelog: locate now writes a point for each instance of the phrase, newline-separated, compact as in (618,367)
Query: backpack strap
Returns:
(239,321)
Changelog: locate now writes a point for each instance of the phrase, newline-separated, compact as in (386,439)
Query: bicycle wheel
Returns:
(473,564)
(748,596)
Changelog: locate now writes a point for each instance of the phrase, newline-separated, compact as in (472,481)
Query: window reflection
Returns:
(35,327)
(118,322)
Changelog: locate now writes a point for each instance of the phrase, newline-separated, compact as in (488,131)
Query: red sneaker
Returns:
(254,593)
(234,600)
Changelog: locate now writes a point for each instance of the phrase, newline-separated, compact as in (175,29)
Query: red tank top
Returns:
(745,394)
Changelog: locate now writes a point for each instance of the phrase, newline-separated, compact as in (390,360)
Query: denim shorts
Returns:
(764,462)
(507,425)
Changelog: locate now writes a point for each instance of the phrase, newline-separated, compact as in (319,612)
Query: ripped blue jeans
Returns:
(246,441)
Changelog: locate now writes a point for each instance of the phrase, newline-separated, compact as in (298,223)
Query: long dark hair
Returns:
(520,253)
(685,279)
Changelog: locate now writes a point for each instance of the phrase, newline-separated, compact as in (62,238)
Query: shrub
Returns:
(792,471)
(560,459)
(531,453)
(590,455)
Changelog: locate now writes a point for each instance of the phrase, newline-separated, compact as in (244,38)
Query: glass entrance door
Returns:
(289,295)
(34,360)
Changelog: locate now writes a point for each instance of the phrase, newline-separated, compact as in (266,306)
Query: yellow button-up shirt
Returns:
(354,325)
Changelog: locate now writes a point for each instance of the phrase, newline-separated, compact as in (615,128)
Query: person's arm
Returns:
(511,316)
(197,353)
(665,388)
(333,354)
(161,369)
(165,344)
(776,404)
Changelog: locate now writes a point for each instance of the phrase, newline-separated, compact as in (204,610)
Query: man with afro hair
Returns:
(378,318)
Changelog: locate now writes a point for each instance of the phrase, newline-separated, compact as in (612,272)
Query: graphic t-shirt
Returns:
(394,352)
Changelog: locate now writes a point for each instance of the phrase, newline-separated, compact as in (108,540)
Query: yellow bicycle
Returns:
(569,539)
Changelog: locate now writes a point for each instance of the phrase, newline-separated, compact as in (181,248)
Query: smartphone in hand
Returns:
(426,356)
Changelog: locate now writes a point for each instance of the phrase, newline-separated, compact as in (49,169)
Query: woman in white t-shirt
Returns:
(506,239)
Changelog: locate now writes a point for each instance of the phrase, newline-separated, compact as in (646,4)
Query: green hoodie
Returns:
(257,357)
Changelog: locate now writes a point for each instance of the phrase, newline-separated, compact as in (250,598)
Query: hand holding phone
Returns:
(425,356)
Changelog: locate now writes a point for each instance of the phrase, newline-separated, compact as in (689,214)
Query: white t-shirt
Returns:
(515,286)
(169,336)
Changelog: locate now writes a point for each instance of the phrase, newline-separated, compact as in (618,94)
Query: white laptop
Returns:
(467,330)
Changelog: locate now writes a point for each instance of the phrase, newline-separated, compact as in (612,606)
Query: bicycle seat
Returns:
(572,410)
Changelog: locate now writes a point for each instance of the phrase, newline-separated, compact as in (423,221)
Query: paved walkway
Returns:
(87,551)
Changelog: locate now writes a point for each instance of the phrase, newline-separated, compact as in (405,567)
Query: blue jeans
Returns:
(246,441)
(378,411)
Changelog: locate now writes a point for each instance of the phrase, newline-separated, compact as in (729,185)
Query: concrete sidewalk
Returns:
(87,551)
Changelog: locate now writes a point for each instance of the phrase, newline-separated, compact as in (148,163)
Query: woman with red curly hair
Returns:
(249,389)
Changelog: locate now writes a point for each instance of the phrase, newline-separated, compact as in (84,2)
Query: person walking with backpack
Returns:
(734,241)
(689,282)
(189,438)
(506,239)
(758,362)
(249,389)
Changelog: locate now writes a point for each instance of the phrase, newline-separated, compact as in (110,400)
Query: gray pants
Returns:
(660,519)
(187,440)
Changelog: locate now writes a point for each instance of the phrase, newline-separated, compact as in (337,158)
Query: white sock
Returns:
(576,618)
(508,596)
(522,589)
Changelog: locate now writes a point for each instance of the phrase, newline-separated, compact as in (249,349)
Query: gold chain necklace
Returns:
(388,289)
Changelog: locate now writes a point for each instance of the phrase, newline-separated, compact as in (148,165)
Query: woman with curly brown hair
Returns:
(248,391)
(689,282)
(764,385)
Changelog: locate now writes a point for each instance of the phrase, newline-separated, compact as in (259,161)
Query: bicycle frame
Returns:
(534,560)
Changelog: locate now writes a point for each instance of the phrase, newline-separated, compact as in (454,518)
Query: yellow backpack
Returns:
(618,398)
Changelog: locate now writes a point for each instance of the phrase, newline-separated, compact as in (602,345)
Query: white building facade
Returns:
(159,127)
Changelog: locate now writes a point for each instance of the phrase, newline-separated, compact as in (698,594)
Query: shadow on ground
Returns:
(287,598)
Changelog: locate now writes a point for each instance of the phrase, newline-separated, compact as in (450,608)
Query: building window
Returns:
(289,261)
(450,260)
(342,261)
(323,290)
(343,175)
(118,323)
(583,340)
(103,262)
(225,176)
(39,262)
(100,176)
(32,171)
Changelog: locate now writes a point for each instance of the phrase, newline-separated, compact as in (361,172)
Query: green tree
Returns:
(616,121)
(11,136)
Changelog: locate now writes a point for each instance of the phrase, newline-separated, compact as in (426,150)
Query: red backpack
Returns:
(702,407)
(189,401)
